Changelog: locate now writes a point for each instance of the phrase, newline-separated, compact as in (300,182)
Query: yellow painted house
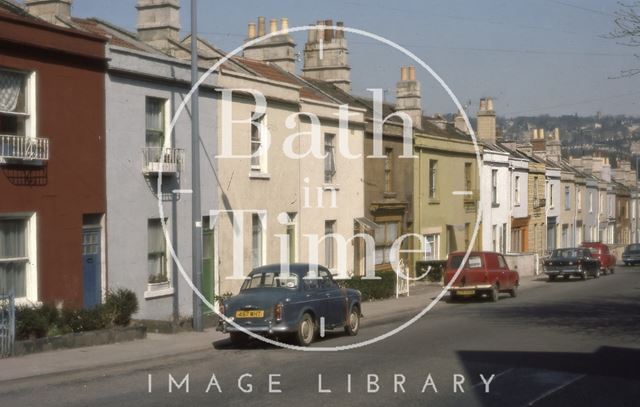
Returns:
(445,189)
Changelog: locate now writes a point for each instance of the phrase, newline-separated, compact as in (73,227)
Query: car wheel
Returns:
(583,276)
(495,293)
(239,339)
(514,291)
(353,324)
(552,278)
(306,330)
(597,274)
(612,270)
(453,297)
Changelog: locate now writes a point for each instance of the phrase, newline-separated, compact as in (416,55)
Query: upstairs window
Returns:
(258,155)
(494,187)
(516,191)
(155,125)
(14,103)
(329,158)
(433,179)
(468,184)
(156,253)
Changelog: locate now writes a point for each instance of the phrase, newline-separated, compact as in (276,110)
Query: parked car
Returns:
(484,273)
(293,306)
(631,254)
(601,252)
(577,262)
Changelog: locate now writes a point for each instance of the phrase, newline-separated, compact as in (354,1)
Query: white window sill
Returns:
(165,292)
(259,175)
(330,187)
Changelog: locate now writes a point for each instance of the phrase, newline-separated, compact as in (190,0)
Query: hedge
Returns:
(47,320)
(384,287)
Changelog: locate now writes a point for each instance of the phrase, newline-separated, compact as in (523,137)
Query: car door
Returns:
(506,278)
(333,299)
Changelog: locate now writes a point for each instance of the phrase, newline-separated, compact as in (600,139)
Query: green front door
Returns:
(208,266)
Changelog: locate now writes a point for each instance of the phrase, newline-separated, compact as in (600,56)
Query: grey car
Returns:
(631,254)
(295,305)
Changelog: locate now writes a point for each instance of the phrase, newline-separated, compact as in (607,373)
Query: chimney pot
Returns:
(340,33)
(285,25)
(489,103)
(261,27)
(328,31)
(403,73)
(273,25)
(412,73)
(541,134)
(251,31)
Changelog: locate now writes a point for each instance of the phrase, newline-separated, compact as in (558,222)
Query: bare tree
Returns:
(627,32)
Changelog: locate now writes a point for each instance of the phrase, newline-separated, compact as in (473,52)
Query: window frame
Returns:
(31,258)
(258,163)
(164,255)
(261,243)
(30,104)
(433,179)
(330,165)
(330,227)
(494,187)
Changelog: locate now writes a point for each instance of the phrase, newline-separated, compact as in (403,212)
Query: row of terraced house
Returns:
(95,177)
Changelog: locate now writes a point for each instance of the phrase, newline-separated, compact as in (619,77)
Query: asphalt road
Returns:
(574,343)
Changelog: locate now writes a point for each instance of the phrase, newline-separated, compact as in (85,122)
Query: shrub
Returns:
(435,274)
(31,322)
(80,320)
(384,287)
(120,305)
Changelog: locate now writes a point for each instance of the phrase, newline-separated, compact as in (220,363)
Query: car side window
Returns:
(310,283)
(502,263)
(325,279)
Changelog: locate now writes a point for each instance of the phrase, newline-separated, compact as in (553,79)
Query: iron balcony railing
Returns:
(24,148)
(163,160)
(539,202)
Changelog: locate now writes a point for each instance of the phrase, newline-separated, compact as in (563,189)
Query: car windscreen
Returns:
(594,250)
(633,248)
(269,279)
(565,253)
(474,262)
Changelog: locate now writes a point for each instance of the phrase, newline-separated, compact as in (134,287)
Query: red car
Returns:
(485,273)
(601,252)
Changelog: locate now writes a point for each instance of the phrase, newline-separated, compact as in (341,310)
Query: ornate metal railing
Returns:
(24,148)
(161,159)
(7,324)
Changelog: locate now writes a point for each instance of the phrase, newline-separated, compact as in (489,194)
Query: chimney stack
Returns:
(554,147)
(278,49)
(51,11)
(408,95)
(325,55)
(538,142)
(159,23)
(486,121)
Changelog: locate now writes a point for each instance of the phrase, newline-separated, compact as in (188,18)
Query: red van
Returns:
(485,273)
(601,252)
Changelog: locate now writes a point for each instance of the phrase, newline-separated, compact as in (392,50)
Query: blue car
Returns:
(295,306)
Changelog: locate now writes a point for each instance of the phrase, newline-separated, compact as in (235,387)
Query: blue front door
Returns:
(92,275)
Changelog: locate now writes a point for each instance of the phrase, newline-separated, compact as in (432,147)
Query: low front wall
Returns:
(80,339)
(526,264)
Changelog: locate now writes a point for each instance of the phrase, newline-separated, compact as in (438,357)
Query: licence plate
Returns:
(250,314)
(466,292)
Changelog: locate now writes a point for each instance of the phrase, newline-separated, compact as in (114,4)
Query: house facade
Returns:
(52,144)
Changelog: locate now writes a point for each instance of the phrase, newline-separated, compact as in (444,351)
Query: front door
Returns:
(208,266)
(92,273)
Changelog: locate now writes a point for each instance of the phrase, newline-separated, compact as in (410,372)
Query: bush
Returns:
(46,320)
(120,305)
(385,287)
(31,322)
(82,320)
(435,274)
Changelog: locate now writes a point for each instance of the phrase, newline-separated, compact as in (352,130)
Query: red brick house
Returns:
(52,160)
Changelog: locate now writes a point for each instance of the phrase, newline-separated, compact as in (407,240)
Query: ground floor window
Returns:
(432,246)
(156,253)
(517,240)
(385,234)
(330,244)
(18,268)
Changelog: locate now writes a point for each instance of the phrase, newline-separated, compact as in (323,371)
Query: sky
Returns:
(533,57)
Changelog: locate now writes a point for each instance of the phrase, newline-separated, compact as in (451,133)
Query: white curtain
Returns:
(156,248)
(10,86)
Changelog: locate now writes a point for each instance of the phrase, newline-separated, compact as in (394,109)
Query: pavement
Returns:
(160,346)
